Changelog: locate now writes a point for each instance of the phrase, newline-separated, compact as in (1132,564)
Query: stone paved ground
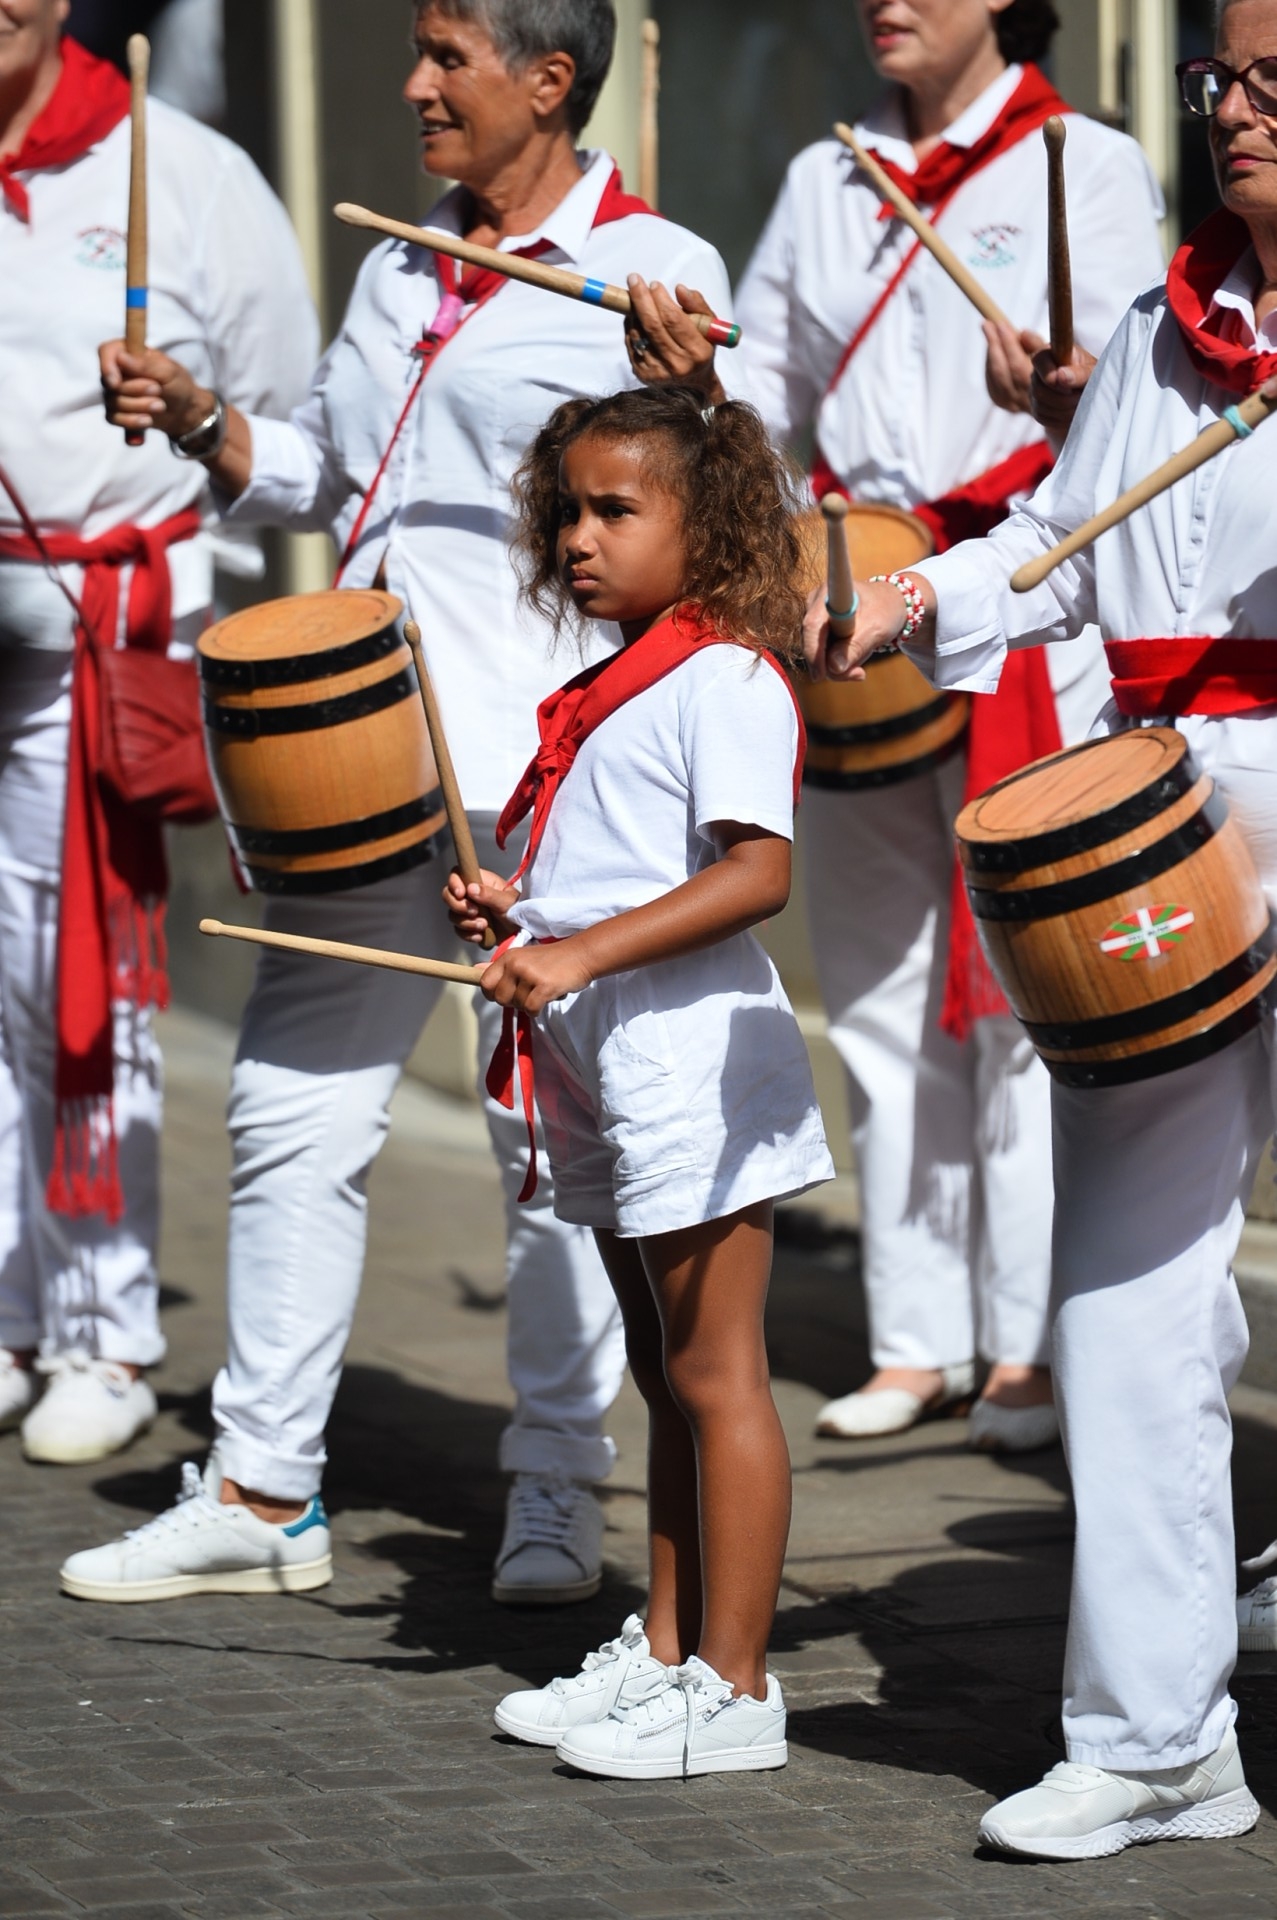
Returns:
(334,1755)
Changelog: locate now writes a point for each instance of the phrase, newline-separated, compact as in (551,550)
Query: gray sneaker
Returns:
(552,1551)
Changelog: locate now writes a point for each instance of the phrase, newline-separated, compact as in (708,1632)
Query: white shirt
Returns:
(228,298)
(442,512)
(714,740)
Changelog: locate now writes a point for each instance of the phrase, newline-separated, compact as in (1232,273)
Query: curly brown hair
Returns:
(1026,29)
(740,500)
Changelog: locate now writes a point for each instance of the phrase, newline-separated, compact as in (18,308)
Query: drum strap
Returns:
(1155,679)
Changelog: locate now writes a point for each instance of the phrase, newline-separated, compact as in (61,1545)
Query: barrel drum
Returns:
(892,725)
(318,743)
(1119,908)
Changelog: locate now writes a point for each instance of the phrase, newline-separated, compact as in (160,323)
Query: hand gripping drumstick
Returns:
(135,295)
(1236,424)
(462,838)
(939,249)
(338,950)
(1059,273)
(841,604)
(575,286)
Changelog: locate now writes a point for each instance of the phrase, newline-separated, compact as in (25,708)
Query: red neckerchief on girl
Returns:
(465,291)
(565,721)
(1196,273)
(90,99)
(114,873)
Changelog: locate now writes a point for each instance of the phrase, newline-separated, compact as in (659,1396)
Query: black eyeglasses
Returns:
(1203,85)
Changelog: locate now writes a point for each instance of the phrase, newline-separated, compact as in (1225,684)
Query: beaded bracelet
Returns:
(915,605)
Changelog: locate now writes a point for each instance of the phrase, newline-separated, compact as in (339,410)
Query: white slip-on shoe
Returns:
(89,1410)
(995,1429)
(1257,1610)
(201,1546)
(552,1549)
(865,1416)
(692,1725)
(620,1673)
(19,1390)
(1084,1813)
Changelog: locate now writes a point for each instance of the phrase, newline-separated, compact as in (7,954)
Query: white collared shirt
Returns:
(441,517)
(228,298)
(1234,301)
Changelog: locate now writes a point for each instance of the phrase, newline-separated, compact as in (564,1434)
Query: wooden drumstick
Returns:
(939,249)
(841,603)
(1237,422)
(458,821)
(649,119)
(574,286)
(136,293)
(338,950)
(1059,273)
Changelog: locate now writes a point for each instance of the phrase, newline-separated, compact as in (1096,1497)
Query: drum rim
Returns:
(384,609)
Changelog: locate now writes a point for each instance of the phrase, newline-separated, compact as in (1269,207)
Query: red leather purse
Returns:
(153,755)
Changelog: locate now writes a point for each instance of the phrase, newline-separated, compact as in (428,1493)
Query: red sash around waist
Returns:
(1192,675)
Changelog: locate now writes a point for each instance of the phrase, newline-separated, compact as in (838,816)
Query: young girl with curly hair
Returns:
(671,1076)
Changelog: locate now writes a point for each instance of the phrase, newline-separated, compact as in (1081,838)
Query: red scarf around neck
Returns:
(946,168)
(90,99)
(1196,274)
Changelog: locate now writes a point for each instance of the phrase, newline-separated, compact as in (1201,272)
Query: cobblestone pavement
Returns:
(334,1754)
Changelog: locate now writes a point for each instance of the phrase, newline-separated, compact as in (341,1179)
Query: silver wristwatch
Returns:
(206,441)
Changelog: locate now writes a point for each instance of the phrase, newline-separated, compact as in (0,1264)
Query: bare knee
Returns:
(706,1386)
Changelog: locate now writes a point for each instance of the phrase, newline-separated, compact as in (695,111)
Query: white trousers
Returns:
(952,1142)
(63,1283)
(321,1051)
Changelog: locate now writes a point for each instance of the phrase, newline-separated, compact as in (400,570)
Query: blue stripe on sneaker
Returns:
(314,1516)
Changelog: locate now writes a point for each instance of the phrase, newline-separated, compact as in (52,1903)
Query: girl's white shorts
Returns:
(677,1093)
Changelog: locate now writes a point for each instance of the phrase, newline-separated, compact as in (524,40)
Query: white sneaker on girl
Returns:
(620,1674)
(693,1725)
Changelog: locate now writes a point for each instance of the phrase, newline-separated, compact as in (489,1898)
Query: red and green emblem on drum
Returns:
(1147,933)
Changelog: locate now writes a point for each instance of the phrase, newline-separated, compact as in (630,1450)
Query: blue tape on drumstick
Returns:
(1239,426)
(135,296)
(593,291)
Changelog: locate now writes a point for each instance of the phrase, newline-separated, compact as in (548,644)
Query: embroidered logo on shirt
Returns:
(101,247)
(995,246)
(1148,933)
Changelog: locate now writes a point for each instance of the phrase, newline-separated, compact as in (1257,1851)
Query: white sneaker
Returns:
(19,1388)
(620,1673)
(865,1416)
(201,1546)
(995,1429)
(1083,1813)
(1257,1610)
(692,1725)
(89,1410)
(552,1550)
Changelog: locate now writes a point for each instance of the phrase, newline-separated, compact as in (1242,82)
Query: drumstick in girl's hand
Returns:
(939,249)
(1238,422)
(1059,268)
(339,950)
(135,293)
(841,603)
(575,286)
(462,838)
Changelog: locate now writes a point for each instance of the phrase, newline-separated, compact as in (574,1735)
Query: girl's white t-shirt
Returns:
(713,740)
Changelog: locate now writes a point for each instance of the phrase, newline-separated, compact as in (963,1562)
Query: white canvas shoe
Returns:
(693,1725)
(89,1410)
(995,1429)
(865,1416)
(201,1546)
(19,1390)
(552,1549)
(1084,1813)
(620,1673)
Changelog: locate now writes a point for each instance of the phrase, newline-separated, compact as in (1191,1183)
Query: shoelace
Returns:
(545,1510)
(192,1505)
(626,1644)
(702,1698)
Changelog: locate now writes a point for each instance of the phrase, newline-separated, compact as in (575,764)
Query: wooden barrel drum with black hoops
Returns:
(318,743)
(1119,908)
(892,725)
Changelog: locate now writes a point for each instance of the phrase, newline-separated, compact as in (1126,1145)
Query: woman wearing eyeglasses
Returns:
(1152,1177)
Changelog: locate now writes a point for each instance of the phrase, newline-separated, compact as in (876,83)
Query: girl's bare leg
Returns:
(674,1606)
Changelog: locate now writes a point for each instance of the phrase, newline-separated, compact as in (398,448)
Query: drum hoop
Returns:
(1088,1074)
(245,676)
(253,723)
(1081,836)
(838,780)
(1136,1022)
(342,835)
(344,879)
(894,728)
(1088,889)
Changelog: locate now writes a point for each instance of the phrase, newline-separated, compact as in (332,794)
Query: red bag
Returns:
(153,755)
